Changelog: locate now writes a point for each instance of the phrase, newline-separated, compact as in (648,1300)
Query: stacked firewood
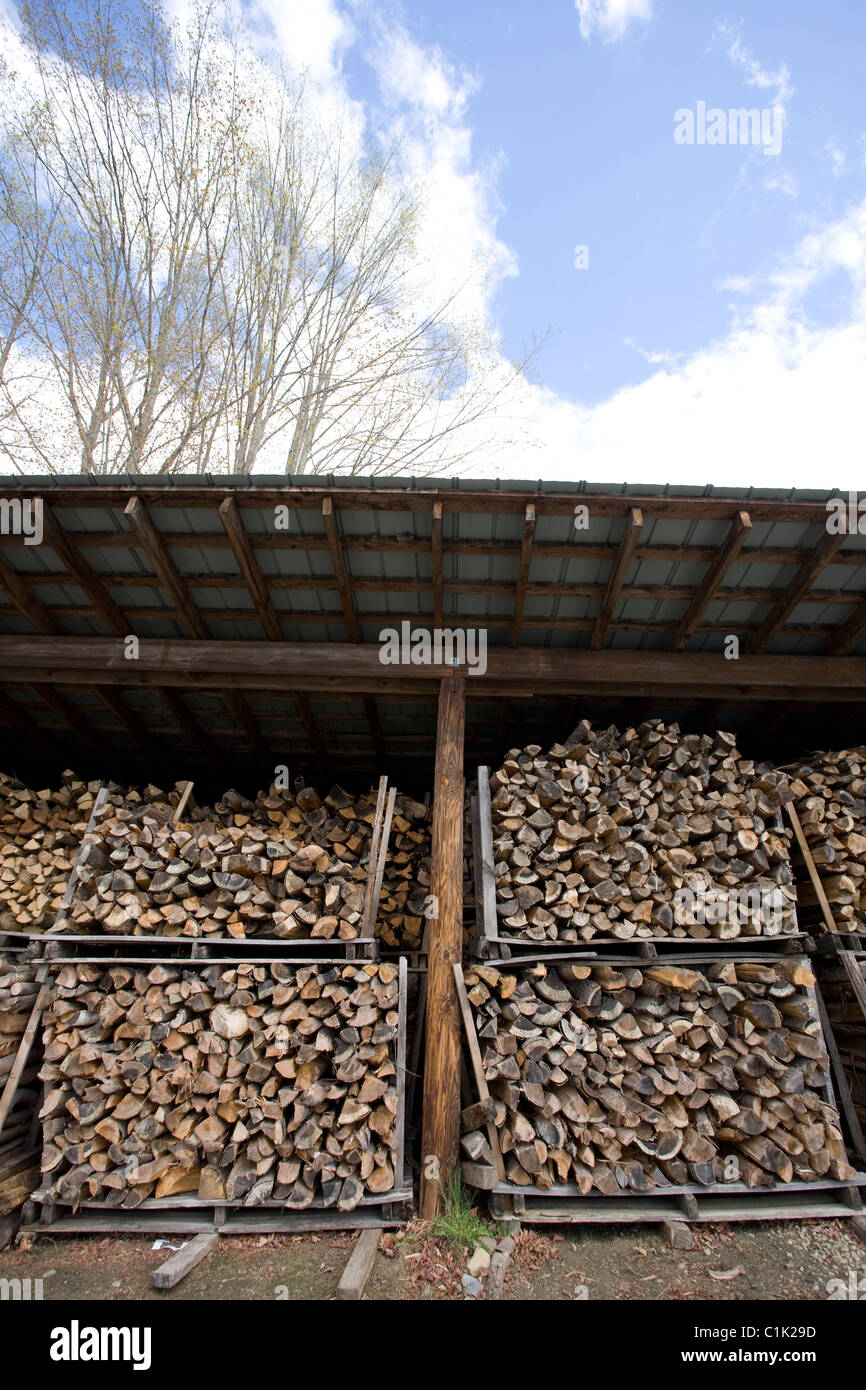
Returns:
(249,1083)
(404,906)
(18,992)
(838,976)
(39,835)
(632,1077)
(641,833)
(288,865)
(829,792)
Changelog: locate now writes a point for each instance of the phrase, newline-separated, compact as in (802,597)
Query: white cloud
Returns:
(782,183)
(838,158)
(775,403)
(777,80)
(611,19)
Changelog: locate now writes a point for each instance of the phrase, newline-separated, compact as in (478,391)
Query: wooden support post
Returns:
(441,1122)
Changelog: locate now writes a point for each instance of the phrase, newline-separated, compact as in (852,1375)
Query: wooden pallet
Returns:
(187,1213)
(487,943)
(564,1202)
(228,1219)
(841,967)
(722,1202)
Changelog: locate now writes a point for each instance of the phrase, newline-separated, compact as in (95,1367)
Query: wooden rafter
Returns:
(624,557)
(14,586)
(796,591)
(83,575)
(848,633)
(71,716)
(341,575)
(242,546)
(436,563)
(711,582)
(163,567)
(548,550)
(189,723)
(115,703)
(523,572)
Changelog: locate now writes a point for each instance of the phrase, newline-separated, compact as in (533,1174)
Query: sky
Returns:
(713,327)
(699,303)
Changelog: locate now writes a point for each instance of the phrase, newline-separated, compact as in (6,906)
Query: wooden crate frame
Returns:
(564,1202)
(186,1213)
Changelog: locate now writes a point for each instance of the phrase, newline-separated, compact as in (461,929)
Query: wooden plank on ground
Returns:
(354,1278)
(184,1261)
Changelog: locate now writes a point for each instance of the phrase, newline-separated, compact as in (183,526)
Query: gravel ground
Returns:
(767,1260)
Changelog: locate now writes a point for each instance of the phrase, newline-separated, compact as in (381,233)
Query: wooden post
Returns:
(441,1122)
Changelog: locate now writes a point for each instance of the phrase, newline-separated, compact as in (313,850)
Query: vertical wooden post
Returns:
(441,1121)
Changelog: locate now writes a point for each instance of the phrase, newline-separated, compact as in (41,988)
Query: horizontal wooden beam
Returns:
(278,492)
(357,667)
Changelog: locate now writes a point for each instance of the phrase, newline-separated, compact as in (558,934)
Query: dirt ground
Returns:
(772,1260)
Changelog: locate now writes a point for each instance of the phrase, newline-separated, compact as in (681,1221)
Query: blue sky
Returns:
(583,130)
(718,333)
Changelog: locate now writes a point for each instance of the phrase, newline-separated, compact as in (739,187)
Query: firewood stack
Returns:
(286,865)
(606,833)
(829,792)
(253,1083)
(18,991)
(848,1020)
(632,1078)
(39,835)
(406,883)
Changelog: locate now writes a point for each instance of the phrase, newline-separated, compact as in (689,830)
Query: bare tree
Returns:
(199,273)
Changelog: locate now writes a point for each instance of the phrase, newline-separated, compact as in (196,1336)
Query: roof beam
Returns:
(242,547)
(796,591)
(436,563)
(85,577)
(190,725)
(345,667)
(241,544)
(624,557)
(115,703)
(341,574)
(13,585)
(505,501)
(848,633)
(523,572)
(79,725)
(162,565)
(712,580)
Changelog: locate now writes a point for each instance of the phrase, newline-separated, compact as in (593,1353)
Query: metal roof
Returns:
(787,588)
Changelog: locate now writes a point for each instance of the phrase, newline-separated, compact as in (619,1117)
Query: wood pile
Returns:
(250,1083)
(637,1077)
(617,833)
(846,1010)
(18,993)
(829,795)
(39,836)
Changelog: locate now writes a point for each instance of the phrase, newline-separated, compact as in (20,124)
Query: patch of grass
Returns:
(459,1222)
